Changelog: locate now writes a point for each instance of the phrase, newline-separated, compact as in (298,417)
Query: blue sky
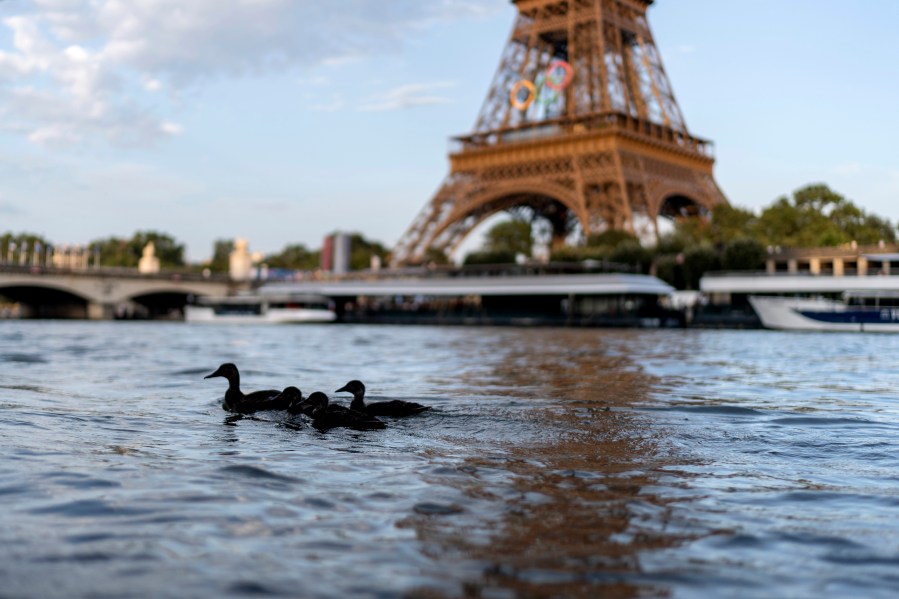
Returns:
(281,121)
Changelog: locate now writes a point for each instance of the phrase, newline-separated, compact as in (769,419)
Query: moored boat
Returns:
(260,309)
(858,311)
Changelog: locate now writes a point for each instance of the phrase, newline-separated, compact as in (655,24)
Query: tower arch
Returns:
(541,202)
(677,206)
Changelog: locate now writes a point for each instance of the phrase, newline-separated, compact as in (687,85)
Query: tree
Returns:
(818,216)
(115,251)
(169,251)
(731,222)
(295,257)
(29,241)
(699,260)
(579,254)
(610,238)
(488,257)
(436,256)
(221,255)
(633,254)
(744,253)
(512,236)
(866,229)
(669,268)
(694,231)
(726,223)
(814,216)
(503,242)
(362,250)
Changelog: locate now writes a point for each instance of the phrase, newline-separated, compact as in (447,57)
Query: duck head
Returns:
(290,394)
(227,370)
(354,387)
(315,405)
(290,397)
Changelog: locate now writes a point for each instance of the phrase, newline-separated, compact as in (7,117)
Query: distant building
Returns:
(846,260)
(335,256)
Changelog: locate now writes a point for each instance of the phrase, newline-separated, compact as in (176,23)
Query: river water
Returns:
(555,463)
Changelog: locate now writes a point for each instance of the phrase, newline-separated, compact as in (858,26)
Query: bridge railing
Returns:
(111,271)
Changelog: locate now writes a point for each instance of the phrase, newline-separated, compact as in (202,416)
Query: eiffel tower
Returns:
(580,130)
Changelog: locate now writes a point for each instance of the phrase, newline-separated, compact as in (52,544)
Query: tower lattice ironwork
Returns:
(580,127)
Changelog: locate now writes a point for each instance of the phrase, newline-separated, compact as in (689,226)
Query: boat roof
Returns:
(797,283)
(882,257)
(580,284)
(253,298)
(877,293)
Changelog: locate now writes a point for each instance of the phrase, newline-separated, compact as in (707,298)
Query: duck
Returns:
(292,399)
(326,415)
(245,403)
(396,407)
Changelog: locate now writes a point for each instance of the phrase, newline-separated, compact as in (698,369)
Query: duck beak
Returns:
(216,373)
(342,389)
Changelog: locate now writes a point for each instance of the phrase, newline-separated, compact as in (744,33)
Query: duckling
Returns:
(237,401)
(326,416)
(292,399)
(396,407)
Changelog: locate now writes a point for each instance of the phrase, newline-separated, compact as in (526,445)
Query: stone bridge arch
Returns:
(101,296)
(46,300)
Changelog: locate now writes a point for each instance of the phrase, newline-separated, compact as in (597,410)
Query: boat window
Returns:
(237,309)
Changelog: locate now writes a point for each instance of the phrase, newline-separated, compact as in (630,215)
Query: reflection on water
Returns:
(555,463)
(576,514)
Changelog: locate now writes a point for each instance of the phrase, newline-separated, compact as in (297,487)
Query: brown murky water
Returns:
(573,517)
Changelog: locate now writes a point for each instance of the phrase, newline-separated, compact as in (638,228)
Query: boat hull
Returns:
(203,314)
(819,314)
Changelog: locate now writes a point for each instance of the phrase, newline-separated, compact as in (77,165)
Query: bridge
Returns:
(105,293)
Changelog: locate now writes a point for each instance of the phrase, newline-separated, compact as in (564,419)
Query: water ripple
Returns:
(555,462)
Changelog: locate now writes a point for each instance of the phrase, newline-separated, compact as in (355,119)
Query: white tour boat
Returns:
(859,311)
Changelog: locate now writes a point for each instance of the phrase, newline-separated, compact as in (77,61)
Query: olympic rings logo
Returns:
(556,78)
(529,99)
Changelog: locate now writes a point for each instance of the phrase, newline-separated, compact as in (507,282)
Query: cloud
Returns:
(82,70)
(170,128)
(406,96)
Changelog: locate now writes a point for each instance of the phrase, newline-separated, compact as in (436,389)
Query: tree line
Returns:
(732,239)
(111,251)
(298,256)
(127,252)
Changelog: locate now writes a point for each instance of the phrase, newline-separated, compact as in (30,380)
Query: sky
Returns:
(281,121)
